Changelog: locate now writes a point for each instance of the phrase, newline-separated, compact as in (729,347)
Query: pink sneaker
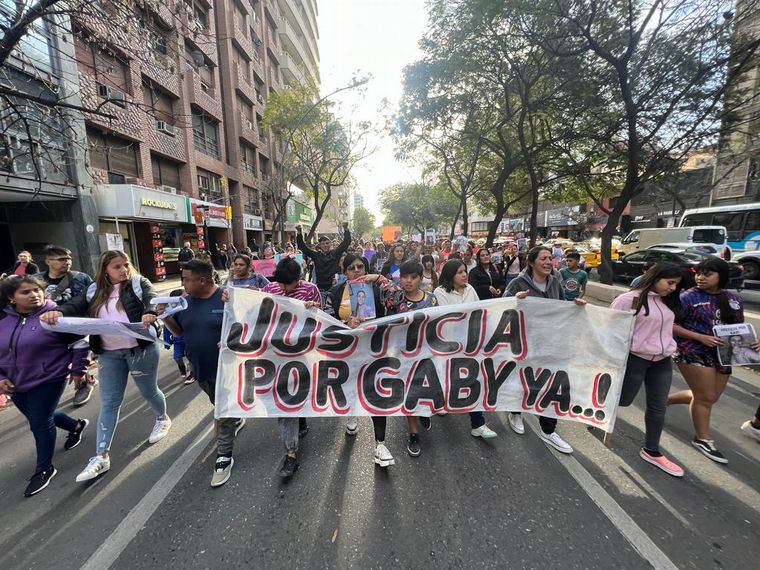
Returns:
(663,463)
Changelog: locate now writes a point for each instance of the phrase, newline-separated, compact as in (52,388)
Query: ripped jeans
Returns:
(115,367)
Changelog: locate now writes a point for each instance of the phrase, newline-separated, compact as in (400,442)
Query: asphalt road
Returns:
(508,503)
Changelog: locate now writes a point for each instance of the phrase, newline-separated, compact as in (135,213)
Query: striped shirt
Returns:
(305,291)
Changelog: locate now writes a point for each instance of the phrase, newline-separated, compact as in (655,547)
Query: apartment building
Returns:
(185,159)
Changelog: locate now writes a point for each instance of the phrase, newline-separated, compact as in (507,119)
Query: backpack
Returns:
(136,288)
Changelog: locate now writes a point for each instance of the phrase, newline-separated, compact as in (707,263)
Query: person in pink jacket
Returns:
(655,303)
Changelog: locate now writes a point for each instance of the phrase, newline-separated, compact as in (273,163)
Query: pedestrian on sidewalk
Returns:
(539,280)
(702,307)
(61,285)
(454,289)
(287,282)
(185,254)
(23,266)
(656,307)
(118,295)
(35,364)
(201,326)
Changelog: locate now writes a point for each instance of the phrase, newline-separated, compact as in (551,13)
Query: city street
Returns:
(509,502)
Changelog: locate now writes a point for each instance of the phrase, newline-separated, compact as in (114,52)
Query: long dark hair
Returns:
(649,280)
(448,271)
(386,269)
(533,256)
(10,285)
(434,275)
(721,267)
(103,285)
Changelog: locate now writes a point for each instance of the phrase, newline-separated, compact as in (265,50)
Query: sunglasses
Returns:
(354,267)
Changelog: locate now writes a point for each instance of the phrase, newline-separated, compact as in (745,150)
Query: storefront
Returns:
(145,222)
(254,229)
(213,223)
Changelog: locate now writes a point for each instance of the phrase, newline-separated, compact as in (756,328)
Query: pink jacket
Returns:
(653,333)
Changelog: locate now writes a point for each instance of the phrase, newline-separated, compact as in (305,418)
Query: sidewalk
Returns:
(164,287)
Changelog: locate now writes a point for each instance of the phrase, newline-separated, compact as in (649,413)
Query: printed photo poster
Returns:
(362,300)
(736,349)
(264,267)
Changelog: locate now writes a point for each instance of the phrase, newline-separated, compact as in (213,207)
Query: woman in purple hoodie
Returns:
(655,304)
(35,364)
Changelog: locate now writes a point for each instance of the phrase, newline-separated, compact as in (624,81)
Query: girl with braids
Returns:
(702,307)
(654,302)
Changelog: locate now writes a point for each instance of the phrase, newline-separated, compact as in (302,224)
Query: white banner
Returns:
(85,327)
(537,356)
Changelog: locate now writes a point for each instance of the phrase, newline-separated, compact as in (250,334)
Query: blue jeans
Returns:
(114,368)
(39,407)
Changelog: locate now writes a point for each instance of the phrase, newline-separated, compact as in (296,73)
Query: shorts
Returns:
(707,359)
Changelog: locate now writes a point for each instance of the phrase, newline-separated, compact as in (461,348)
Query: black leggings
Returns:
(656,377)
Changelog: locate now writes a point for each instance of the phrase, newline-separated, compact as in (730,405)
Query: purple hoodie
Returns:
(31,355)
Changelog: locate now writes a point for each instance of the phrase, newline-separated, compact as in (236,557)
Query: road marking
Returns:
(119,539)
(632,532)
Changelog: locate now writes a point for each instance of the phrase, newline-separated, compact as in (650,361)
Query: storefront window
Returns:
(172,238)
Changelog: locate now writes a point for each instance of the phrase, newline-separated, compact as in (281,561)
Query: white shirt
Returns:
(453,298)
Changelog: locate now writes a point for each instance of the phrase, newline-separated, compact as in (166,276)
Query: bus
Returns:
(742,222)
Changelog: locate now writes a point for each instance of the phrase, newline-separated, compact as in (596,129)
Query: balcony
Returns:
(258,66)
(291,71)
(205,145)
(264,148)
(301,20)
(203,37)
(293,42)
(202,97)
(241,35)
(243,85)
(259,102)
(271,10)
(275,52)
(248,130)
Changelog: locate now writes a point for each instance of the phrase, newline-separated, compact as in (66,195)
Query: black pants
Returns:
(656,377)
(39,407)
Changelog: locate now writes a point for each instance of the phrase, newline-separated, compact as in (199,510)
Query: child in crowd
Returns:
(574,278)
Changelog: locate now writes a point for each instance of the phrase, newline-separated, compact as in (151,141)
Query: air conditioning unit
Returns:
(117,97)
(164,127)
(102,90)
(256,211)
(170,189)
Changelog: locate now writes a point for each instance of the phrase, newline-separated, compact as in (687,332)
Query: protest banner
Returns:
(84,327)
(264,267)
(531,355)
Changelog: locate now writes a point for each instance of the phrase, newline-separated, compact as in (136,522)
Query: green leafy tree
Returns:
(363,222)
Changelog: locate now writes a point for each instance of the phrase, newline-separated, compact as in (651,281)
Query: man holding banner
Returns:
(201,325)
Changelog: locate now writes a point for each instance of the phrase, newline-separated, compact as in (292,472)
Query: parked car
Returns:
(632,265)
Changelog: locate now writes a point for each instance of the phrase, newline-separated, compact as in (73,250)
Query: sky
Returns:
(377,37)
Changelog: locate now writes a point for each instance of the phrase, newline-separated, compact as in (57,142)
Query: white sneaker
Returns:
(160,429)
(556,442)
(751,430)
(516,423)
(483,431)
(383,457)
(97,466)
(352,426)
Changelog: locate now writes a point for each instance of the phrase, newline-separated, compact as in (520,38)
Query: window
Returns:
(709,236)
(112,153)
(247,159)
(107,67)
(733,221)
(165,172)
(753,222)
(205,133)
(240,60)
(240,16)
(697,220)
(158,104)
(246,111)
(253,199)
(210,185)
(33,49)
(199,15)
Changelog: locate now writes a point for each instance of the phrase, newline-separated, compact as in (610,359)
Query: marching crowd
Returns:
(37,364)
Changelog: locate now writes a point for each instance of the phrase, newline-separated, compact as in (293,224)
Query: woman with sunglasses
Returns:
(338,305)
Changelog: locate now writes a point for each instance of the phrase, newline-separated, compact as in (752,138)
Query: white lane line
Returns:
(119,539)
(632,532)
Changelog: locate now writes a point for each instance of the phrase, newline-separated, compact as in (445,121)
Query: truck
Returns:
(685,237)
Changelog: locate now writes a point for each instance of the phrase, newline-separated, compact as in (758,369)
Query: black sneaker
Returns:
(39,481)
(83,393)
(708,449)
(75,437)
(425,422)
(289,466)
(303,427)
(413,447)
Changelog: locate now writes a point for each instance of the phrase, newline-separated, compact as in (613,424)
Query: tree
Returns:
(660,71)
(321,150)
(363,222)
(417,206)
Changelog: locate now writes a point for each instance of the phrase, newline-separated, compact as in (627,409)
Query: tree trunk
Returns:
(465,219)
(533,219)
(494,226)
(454,223)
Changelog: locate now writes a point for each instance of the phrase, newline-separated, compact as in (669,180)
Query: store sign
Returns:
(252,222)
(215,214)
(134,202)
(158,203)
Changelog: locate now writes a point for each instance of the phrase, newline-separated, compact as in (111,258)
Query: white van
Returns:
(714,236)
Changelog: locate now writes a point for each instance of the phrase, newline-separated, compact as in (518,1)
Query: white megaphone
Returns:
(173,305)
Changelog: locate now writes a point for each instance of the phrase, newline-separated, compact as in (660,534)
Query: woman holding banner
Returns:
(655,304)
(118,295)
(455,290)
(35,365)
(539,280)
(338,305)
(287,282)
